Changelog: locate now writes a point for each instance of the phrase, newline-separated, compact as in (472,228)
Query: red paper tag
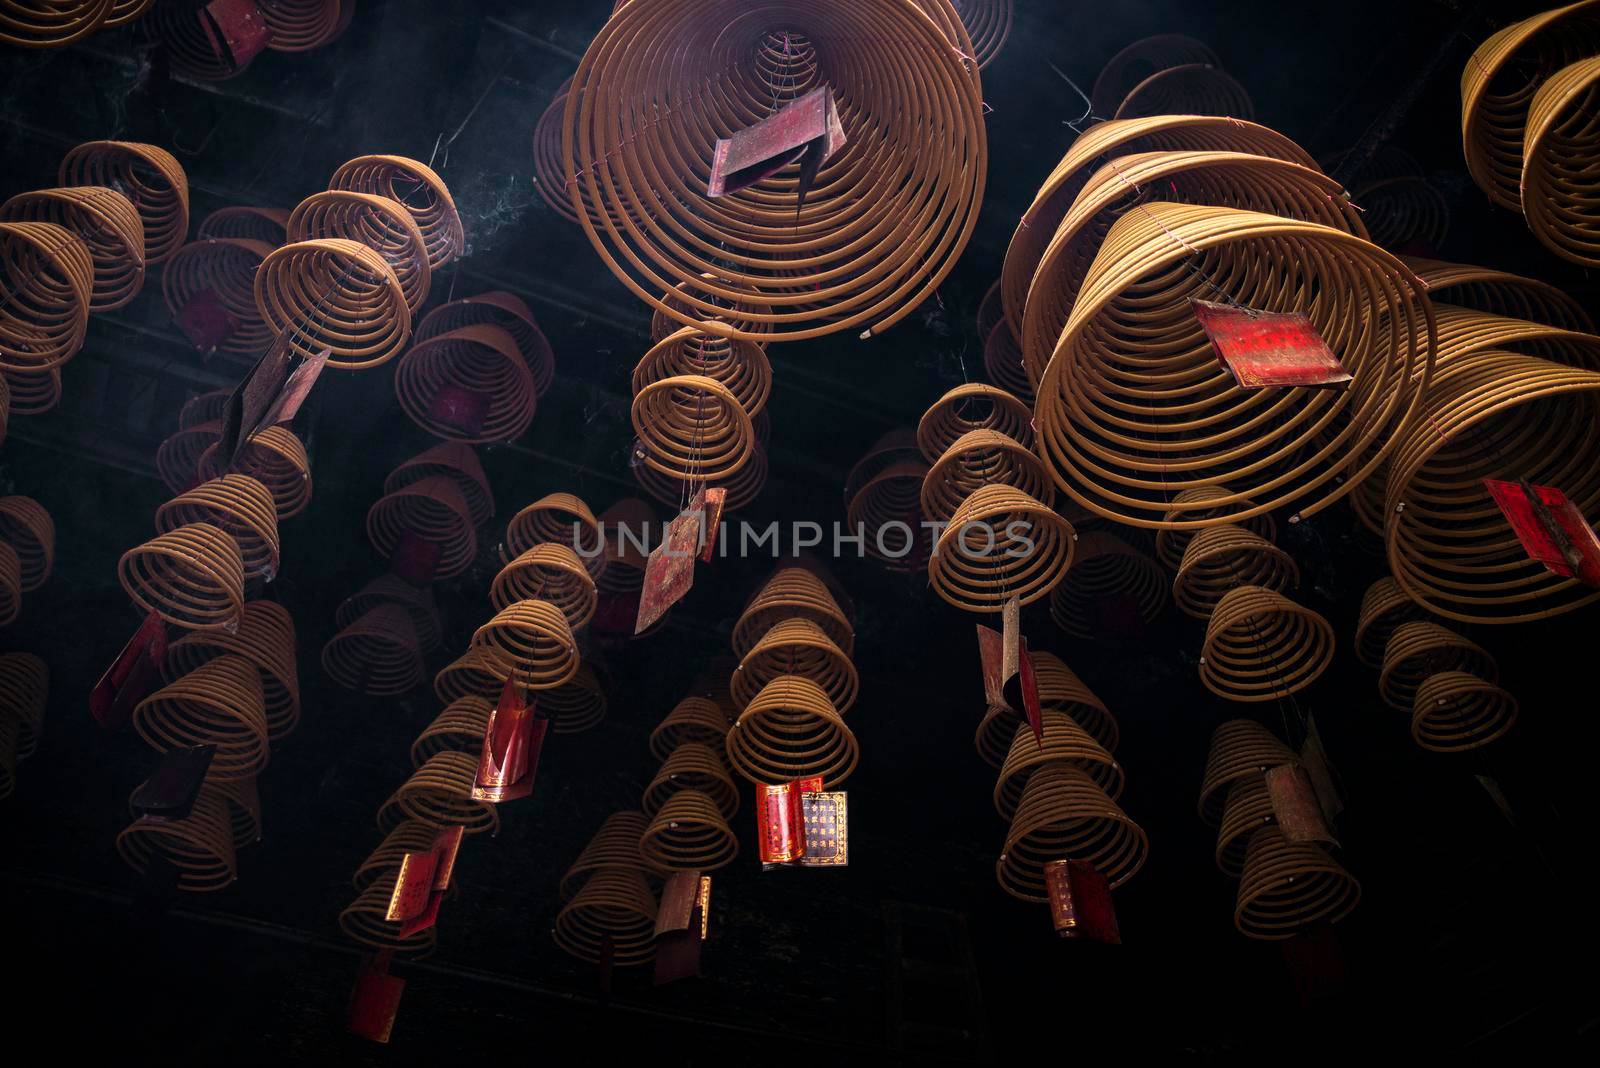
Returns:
(1295,805)
(205,322)
(669,572)
(681,926)
(171,792)
(806,130)
(459,407)
(711,506)
(420,884)
(132,675)
(1008,680)
(295,390)
(415,559)
(780,820)
(375,1001)
(1550,528)
(1269,348)
(509,759)
(1080,901)
(679,897)
(236,30)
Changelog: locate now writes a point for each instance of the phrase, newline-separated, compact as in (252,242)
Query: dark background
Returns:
(1475,930)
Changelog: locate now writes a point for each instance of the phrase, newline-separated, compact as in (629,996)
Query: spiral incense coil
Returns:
(735,312)
(1403,209)
(433,510)
(574,706)
(549,173)
(1135,62)
(474,673)
(193,577)
(1061,689)
(534,644)
(10,585)
(1126,419)
(244,809)
(743,486)
(1240,749)
(440,793)
(224,269)
(693,766)
(659,84)
(105,222)
(893,498)
(415,187)
(1383,608)
(969,407)
(32,392)
(1419,649)
(219,703)
(48,279)
(1106,568)
(378,654)
(988,23)
(1463,331)
(615,846)
(1000,544)
(275,458)
(1062,813)
(548,572)
(693,719)
(791,592)
(1248,808)
(210,406)
(176,26)
(1171,544)
(32,533)
(408,836)
(199,846)
(147,176)
(1286,886)
(483,361)
(790,730)
(456,461)
(338,295)
(1455,711)
(690,833)
(1559,177)
(459,729)
(976,459)
(611,917)
(896,446)
(377,222)
(1500,83)
(1189,89)
(1490,415)
(1500,292)
(741,367)
(1064,743)
(301,25)
(1221,558)
(50,23)
(178,458)
(266,639)
(796,647)
(24,692)
(509,313)
(364,920)
(1261,646)
(270,226)
(692,427)
(563,519)
(237,504)
(1003,363)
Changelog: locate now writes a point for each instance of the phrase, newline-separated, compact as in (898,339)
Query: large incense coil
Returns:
(1490,415)
(378,654)
(534,644)
(219,703)
(433,510)
(270,226)
(24,692)
(693,719)
(334,294)
(991,310)
(1286,886)
(1134,63)
(178,458)
(1261,646)
(790,592)
(1419,649)
(1106,569)
(742,487)
(1463,331)
(796,647)
(690,833)
(552,573)
(237,504)
(481,361)
(1003,363)
(1062,813)
(893,447)
(865,249)
(1398,203)
(790,730)
(107,224)
(614,846)
(275,458)
(457,461)
(786,66)
(1000,544)
(1060,688)
(26,524)
(976,459)
(125,11)
(561,518)
(693,766)
(48,279)
(408,836)
(1064,743)
(1220,558)
(199,846)
(475,673)
(1188,89)
(1171,544)
(1455,711)
(549,173)
(1129,417)
(1559,177)
(301,25)
(1500,82)
(509,313)
(440,793)
(574,706)
(1384,606)
(193,577)
(1248,808)
(415,187)
(893,498)
(10,585)
(1500,292)
(266,639)
(365,920)
(968,407)
(224,269)
(611,917)
(459,728)
(149,177)
(244,809)
(377,222)
(692,427)
(1240,748)
(739,366)
(988,23)
(662,324)
(32,392)
(210,406)
(50,23)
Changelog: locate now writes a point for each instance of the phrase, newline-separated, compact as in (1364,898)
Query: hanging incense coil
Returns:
(896,446)
(1221,558)
(224,270)
(796,647)
(125,11)
(692,427)
(408,836)
(892,500)
(51,23)
(791,592)
(534,644)
(1171,544)
(219,703)
(199,846)
(378,654)
(24,692)
(563,519)
(1286,886)
(364,920)
(1248,808)
(1189,89)
(477,368)
(1059,689)
(178,458)
(237,504)
(1399,205)
(440,793)
(574,706)
(1559,181)
(988,23)
(969,407)
(274,457)
(193,577)
(202,408)
(1420,649)
(301,25)
(1000,544)
(863,250)
(32,533)
(475,673)
(1240,748)
(734,312)
(334,294)
(1122,443)
(1133,64)
(693,766)
(177,27)
(377,222)
(741,367)
(690,833)
(551,573)
(549,174)
(270,226)
(1064,743)
(48,278)
(509,313)
(1107,573)
(456,461)
(244,809)
(615,846)
(790,730)
(32,392)
(1500,292)
(1261,646)
(991,311)
(742,487)
(415,187)
(1003,363)
(693,719)
(611,917)
(976,459)
(1455,711)
(458,729)
(105,222)
(147,176)
(1062,813)
(10,585)
(266,639)
(1383,608)
(430,509)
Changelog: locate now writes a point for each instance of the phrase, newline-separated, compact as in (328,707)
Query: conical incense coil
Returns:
(1064,743)
(1493,415)
(1261,646)
(457,461)
(739,366)
(475,673)
(266,639)
(534,644)
(440,793)
(1059,689)
(151,179)
(244,809)
(377,222)
(796,647)
(1419,649)
(178,458)
(690,833)
(432,510)
(192,576)
(408,836)
(693,719)
(979,458)
(969,407)
(275,458)
(32,392)
(459,728)
(224,268)
(791,592)
(378,654)
(1500,292)
(1398,203)
(1003,363)
(26,524)
(415,187)
(895,447)
(178,29)
(509,313)
(693,766)
(733,312)
(1106,569)
(988,23)
(614,846)
(1171,544)
(334,294)
(1559,179)
(199,846)
(786,66)
(692,427)
(1188,89)
(237,504)
(480,362)
(1220,558)
(1455,711)
(576,705)
(743,486)
(301,25)
(611,917)
(864,249)
(10,585)
(790,730)
(549,174)
(563,519)
(365,920)
(219,703)
(1248,808)
(887,510)
(106,222)
(1134,63)
(1001,543)
(1288,886)
(1062,813)
(1240,748)
(548,572)
(48,276)
(51,23)
(270,226)
(1383,608)
(125,11)
(24,691)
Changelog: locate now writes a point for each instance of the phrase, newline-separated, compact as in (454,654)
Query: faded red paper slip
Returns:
(1260,348)
(669,571)
(780,823)
(1550,528)
(1080,901)
(805,131)
(1296,807)
(132,675)
(512,743)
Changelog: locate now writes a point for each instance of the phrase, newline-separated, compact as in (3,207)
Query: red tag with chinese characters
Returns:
(1080,901)
(1550,528)
(780,820)
(806,130)
(415,559)
(459,407)
(669,572)
(132,675)
(287,404)
(1295,805)
(1261,348)
(205,322)
(375,1000)
(170,793)
(715,499)
(509,759)
(420,884)
(236,30)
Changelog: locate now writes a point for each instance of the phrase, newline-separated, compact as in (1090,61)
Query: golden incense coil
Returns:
(1419,649)
(433,510)
(334,294)
(1059,689)
(1240,749)
(1261,646)
(548,572)
(790,730)
(969,407)
(690,833)
(534,644)
(474,673)
(743,486)
(1188,89)
(24,692)
(192,576)
(1455,711)
(563,519)
(238,505)
(457,461)
(892,498)
(1220,558)
(408,836)
(614,846)
(1560,178)
(106,222)
(1064,743)
(415,187)
(266,639)
(301,25)
(1248,808)
(178,458)
(576,705)
(51,23)
(381,224)
(692,427)
(32,533)
(693,719)
(1003,363)
(48,277)
(1062,813)
(199,846)
(739,366)
(378,654)
(509,313)
(1106,571)
(149,177)
(270,226)
(275,458)
(1171,544)
(979,458)
(1286,886)
(219,703)
(479,361)
(735,312)
(1133,64)
(894,447)
(693,766)
(440,793)
(1500,292)
(244,809)
(1383,608)
(1001,543)
(224,268)
(459,728)
(988,23)
(613,915)
(795,647)
(791,592)
(32,392)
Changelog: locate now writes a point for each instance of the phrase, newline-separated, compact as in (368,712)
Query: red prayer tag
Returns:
(509,759)
(295,390)
(459,407)
(715,499)
(205,322)
(1261,348)
(236,30)
(375,1001)
(669,572)
(806,130)
(1550,528)
(1295,805)
(171,792)
(132,675)
(420,884)
(1080,901)
(780,830)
